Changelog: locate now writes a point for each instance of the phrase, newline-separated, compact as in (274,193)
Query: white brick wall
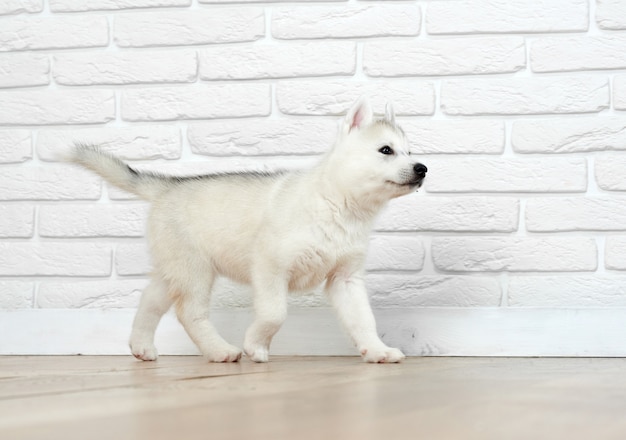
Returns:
(343,21)
(55,258)
(619,92)
(101,5)
(15,146)
(24,69)
(517,107)
(503,175)
(61,32)
(335,97)
(286,61)
(85,69)
(530,254)
(200,101)
(507,16)
(611,14)
(565,54)
(126,220)
(569,135)
(538,95)
(185,27)
(261,137)
(133,142)
(42,107)
(458,56)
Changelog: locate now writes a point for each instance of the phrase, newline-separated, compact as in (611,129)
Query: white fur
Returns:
(279,233)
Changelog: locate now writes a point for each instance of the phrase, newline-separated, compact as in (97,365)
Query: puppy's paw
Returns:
(382,355)
(144,352)
(258,354)
(228,353)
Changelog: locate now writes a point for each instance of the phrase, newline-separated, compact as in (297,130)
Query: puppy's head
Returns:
(376,154)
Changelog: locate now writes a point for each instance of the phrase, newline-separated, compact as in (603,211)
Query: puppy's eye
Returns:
(386,150)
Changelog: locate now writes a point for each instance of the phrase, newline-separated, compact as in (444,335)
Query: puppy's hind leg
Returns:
(155,301)
(192,309)
(270,306)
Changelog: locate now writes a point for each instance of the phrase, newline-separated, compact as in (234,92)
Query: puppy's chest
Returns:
(318,259)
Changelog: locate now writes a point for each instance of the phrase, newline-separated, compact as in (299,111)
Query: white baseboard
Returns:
(421,332)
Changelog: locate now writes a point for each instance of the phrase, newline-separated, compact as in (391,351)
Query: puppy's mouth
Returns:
(416,183)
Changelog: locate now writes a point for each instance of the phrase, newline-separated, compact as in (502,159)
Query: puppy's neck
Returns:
(349,200)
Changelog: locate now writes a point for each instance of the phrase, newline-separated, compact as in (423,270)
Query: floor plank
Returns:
(84,397)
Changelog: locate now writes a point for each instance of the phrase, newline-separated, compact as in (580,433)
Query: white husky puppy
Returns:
(278,232)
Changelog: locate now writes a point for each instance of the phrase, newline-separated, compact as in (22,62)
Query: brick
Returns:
(126,220)
(615,252)
(346,21)
(619,92)
(49,183)
(54,33)
(196,102)
(569,291)
(506,175)
(90,294)
(17,221)
(611,14)
(525,96)
(15,146)
(569,135)
(20,6)
(450,214)
(450,137)
(131,143)
(36,107)
(132,259)
(505,16)
(262,137)
(272,61)
(575,214)
(496,254)
(177,28)
(125,67)
(563,54)
(609,171)
(107,5)
(16,294)
(335,98)
(433,291)
(23,70)
(395,253)
(58,259)
(444,57)
(265,1)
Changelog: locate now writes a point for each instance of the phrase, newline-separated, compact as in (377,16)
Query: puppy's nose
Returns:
(420,170)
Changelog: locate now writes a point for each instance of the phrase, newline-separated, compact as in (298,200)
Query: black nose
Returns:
(420,170)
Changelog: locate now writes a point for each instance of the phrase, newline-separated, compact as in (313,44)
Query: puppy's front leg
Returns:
(349,297)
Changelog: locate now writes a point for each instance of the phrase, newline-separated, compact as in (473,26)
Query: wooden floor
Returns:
(329,398)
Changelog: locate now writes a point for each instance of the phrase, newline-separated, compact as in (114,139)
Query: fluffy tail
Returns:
(146,185)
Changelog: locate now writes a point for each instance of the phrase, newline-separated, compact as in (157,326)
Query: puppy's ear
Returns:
(359,115)
(390,115)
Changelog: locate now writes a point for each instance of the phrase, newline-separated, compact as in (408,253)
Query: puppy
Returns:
(278,232)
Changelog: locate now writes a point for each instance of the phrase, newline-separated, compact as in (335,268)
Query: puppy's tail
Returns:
(146,185)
